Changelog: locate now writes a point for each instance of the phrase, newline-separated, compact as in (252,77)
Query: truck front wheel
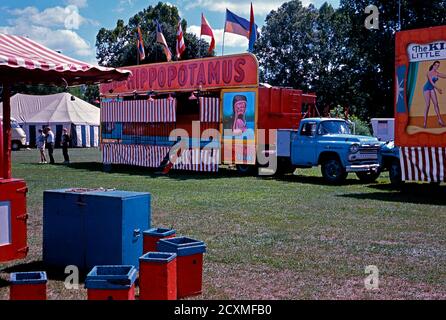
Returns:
(368,177)
(333,171)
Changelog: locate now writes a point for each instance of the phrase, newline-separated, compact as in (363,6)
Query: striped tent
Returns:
(57,111)
(23,60)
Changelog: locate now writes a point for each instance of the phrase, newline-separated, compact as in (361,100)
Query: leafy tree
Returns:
(305,48)
(331,52)
(372,56)
(286,46)
(117,47)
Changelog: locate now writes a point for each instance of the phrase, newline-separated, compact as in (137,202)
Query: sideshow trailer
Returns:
(212,110)
(420,106)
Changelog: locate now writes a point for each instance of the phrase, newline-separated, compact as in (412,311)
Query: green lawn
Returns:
(270,238)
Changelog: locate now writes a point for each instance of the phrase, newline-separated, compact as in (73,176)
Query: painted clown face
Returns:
(239,126)
(240,108)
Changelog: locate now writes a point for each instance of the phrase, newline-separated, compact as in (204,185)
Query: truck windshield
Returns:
(334,127)
(14,124)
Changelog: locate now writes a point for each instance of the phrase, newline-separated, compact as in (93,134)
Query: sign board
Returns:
(420,88)
(239,126)
(197,74)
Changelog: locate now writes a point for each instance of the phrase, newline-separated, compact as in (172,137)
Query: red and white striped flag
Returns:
(181,46)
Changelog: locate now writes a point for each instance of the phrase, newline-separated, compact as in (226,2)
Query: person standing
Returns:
(50,143)
(65,144)
(41,146)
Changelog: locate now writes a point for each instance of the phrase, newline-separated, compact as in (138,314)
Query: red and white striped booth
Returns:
(158,111)
(150,156)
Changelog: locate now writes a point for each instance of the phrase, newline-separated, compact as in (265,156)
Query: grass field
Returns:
(270,238)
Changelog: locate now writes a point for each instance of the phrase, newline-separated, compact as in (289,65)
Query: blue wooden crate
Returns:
(96,227)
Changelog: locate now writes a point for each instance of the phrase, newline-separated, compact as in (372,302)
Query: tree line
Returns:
(329,51)
(324,50)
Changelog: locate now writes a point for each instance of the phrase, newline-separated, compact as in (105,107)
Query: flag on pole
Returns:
(206,30)
(237,25)
(181,46)
(161,40)
(252,31)
(140,43)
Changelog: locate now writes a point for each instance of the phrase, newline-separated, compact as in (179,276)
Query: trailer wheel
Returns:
(245,169)
(333,171)
(368,177)
(395,173)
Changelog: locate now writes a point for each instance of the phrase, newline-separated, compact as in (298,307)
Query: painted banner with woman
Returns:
(426,93)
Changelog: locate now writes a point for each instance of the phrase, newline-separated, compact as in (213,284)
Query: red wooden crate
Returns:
(158,276)
(111,283)
(152,236)
(28,286)
(189,264)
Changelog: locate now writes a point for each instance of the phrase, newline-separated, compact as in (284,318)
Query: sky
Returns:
(70,26)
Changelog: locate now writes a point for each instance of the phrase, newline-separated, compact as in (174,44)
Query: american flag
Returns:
(141,51)
(181,46)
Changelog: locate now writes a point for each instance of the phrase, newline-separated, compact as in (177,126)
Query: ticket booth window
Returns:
(5,223)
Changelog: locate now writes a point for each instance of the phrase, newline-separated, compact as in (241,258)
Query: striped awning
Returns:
(426,164)
(209,109)
(158,110)
(34,63)
(202,160)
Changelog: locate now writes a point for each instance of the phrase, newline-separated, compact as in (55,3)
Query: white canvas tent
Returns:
(57,111)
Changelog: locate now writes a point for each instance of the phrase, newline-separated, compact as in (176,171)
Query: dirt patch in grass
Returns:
(262,282)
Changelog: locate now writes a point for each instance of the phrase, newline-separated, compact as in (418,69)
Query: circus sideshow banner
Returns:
(426,88)
(239,125)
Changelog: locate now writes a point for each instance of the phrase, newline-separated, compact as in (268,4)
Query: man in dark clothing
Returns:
(50,143)
(65,144)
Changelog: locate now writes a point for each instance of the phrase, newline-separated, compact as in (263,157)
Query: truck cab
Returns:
(329,142)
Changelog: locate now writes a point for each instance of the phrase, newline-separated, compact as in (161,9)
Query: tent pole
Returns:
(6,170)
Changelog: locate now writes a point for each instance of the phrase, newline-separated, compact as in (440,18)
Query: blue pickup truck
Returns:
(329,142)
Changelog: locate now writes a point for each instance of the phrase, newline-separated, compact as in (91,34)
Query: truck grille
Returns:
(369,150)
(365,153)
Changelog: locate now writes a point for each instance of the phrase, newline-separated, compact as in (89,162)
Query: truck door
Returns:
(303,145)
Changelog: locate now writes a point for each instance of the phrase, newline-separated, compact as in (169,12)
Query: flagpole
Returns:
(199,47)
(224,33)
(399,15)
(223,46)
(137,50)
